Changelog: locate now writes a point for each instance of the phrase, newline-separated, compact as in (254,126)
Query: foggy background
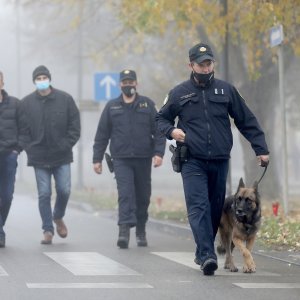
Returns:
(76,41)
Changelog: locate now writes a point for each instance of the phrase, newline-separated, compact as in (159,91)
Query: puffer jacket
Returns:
(11,130)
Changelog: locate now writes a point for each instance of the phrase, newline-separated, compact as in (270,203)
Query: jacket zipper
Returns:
(207,122)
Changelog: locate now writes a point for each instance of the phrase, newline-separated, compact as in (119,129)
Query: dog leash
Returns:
(265,165)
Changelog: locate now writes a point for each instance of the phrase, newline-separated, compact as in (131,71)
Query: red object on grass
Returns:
(275,207)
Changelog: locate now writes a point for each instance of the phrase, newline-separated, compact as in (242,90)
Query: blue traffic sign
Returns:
(276,35)
(106,86)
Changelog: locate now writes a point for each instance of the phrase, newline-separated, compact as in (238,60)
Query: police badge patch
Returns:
(166,99)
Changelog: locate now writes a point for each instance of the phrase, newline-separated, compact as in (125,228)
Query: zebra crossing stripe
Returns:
(96,285)
(187,259)
(2,271)
(253,285)
(89,264)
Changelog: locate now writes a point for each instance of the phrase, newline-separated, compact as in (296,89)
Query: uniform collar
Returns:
(197,85)
(135,101)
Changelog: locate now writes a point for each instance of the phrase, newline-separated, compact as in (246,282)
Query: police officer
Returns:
(203,106)
(129,123)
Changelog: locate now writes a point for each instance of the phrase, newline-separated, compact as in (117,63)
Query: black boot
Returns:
(2,241)
(141,235)
(124,232)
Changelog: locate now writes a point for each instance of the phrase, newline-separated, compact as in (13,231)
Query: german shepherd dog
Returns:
(239,224)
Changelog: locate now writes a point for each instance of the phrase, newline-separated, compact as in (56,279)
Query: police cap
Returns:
(200,53)
(127,74)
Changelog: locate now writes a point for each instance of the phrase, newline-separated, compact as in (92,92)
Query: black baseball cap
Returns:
(200,53)
(127,74)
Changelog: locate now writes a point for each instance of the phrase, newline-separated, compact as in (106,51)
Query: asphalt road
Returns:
(88,265)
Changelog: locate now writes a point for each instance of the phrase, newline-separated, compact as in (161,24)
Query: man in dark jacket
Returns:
(53,129)
(203,106)
(11,133)
(129,123)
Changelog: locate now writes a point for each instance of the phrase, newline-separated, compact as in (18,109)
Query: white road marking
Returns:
(89,264)
(101,285)
(268,285)
(3,272)
(187,259)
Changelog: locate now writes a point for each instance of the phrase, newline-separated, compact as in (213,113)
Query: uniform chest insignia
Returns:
(145,104)
(188,96)
(219,91)
(116,107)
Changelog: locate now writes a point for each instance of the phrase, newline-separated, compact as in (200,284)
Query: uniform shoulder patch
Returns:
(166,100)
(240,95)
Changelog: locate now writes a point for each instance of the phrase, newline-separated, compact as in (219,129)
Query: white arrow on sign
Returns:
(108,81)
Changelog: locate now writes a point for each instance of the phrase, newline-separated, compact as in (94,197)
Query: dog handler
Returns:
(203,106)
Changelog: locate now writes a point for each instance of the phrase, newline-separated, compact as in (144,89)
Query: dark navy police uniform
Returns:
(203,114)
(134,140)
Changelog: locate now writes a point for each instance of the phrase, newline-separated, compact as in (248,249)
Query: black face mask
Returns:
(128,90)
(204,79)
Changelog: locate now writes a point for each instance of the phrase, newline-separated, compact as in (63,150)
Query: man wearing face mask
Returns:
(128,122)
(53,128)
(203,106)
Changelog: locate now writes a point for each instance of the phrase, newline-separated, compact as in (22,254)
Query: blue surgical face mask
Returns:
(42,85)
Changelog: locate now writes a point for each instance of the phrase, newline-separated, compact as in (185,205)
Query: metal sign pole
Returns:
(276,39)
(283,130)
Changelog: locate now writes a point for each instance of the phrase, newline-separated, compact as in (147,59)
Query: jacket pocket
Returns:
(218,105)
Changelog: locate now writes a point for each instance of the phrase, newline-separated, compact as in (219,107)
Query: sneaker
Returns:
(124,233)
(48,235)
(61,228)
(197,261)
(209,267)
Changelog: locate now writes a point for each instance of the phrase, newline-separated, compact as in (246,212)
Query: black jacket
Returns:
(203,114)
(53,128)
(130,128)
(11,129)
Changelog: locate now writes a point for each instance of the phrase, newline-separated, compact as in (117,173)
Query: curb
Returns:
(184,232)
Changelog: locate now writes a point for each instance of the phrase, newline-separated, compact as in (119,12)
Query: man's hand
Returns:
(98,167)
(157,161)
(263,160)
(178,135)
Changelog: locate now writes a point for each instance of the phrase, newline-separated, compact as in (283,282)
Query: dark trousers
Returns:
(8,168)
(204,187)
(133,176)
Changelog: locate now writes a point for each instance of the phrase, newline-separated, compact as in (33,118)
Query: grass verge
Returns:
(277,232)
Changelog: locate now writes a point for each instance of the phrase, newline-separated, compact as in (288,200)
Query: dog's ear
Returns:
(241,184)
